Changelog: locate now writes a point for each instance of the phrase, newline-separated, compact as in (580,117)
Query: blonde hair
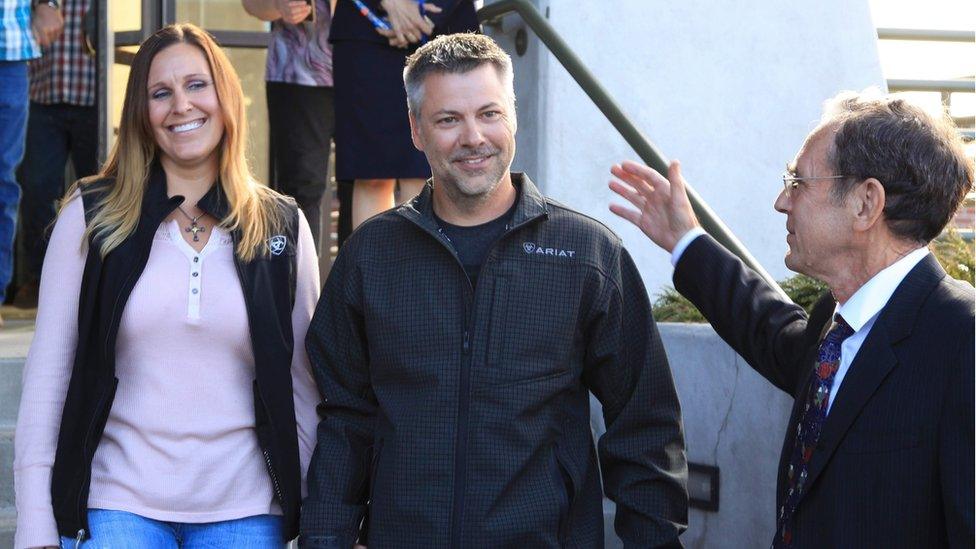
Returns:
(253,208)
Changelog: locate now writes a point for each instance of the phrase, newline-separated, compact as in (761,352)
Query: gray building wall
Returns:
(730,88)
(734,420)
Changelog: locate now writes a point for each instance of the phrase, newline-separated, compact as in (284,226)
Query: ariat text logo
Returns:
(531,248)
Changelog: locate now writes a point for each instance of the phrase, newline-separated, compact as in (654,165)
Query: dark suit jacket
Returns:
(894,464)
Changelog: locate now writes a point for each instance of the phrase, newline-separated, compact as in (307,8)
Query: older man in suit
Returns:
(879,448)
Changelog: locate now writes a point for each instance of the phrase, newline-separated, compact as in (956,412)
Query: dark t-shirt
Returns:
(473,243)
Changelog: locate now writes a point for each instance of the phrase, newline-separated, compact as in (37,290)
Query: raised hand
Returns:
(408,25)
(293,11)
(663,212)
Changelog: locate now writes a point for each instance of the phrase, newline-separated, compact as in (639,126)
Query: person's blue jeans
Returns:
(122,530)
(13,127)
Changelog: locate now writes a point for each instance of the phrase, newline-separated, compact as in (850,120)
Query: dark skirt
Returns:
(372,132)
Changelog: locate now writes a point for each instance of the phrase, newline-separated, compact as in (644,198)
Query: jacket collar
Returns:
(215,202)
(158,204)
(531,204)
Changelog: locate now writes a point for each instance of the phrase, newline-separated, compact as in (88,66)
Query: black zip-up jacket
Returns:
(459,416)
(268,284)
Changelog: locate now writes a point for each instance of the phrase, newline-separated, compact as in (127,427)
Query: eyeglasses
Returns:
(791,182)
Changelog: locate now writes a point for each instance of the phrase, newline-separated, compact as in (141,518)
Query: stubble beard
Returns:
(463,196)
(469,202)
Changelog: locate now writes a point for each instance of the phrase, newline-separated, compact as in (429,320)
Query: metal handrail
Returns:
(959,85)
(926,35)
(641,145)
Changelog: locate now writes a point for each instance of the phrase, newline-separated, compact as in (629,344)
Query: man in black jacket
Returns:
(456,343)
(879,448)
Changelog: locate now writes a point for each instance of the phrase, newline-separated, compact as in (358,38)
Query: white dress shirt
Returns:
(860,311)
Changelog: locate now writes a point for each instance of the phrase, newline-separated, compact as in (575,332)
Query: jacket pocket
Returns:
(566,487)
(374,466)
(496,323)
(99,419)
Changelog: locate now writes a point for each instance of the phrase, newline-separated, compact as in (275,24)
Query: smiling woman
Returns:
(184,111)
(157,388)
(180,76)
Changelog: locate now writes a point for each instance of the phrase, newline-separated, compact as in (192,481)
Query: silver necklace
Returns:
(194,228)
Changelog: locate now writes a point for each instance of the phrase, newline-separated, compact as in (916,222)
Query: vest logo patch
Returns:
(532,249)
(277,244)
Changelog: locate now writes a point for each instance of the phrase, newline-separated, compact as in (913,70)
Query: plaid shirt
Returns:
(66,73)
(16,38)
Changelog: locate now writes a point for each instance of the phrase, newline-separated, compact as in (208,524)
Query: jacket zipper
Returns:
(464,383)
(115,308)
(82,515)
(268,461)
(274,476)
(113,328)
(463,406)
(267,455)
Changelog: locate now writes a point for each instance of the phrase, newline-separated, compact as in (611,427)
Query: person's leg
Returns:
(344,193)
(410,188)
(257,532)
(122,530)
(41,178)
(84,140)
(301,121)
(13,125)
(370,197)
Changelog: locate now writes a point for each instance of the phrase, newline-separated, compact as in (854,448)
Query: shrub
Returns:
(953,252)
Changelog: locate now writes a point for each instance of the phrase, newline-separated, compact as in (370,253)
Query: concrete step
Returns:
(11,375)
(8,519)
(6,465)
(15,338)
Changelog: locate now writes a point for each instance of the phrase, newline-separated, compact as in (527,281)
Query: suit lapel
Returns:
(875,359)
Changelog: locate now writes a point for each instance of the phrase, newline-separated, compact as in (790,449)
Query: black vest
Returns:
(268,283)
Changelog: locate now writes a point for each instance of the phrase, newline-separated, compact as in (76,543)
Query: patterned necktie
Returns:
(809,426)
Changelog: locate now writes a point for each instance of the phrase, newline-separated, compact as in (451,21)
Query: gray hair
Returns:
(918,158)
(455,54)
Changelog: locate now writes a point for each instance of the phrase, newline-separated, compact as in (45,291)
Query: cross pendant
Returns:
(195,229)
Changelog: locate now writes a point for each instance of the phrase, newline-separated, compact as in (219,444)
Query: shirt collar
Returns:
(870,298)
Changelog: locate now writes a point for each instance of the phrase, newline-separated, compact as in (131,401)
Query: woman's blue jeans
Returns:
(122,530)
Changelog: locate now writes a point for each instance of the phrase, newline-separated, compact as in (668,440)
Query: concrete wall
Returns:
(734,420)
(730,88)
